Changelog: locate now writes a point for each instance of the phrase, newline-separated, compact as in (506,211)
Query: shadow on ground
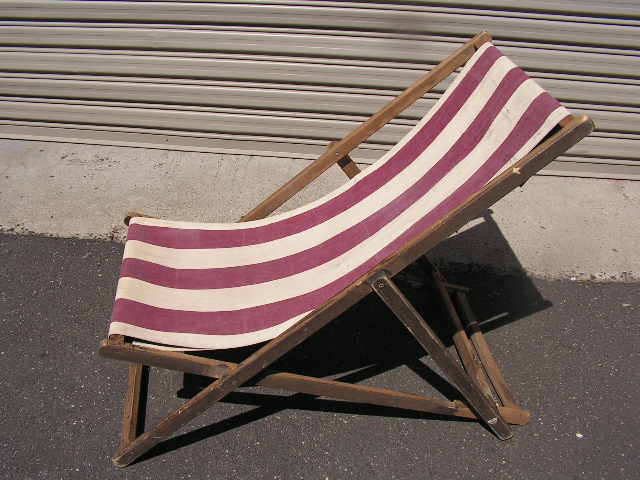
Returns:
(568,350)
(368,340)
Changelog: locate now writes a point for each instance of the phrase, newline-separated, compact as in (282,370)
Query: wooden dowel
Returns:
(463,345)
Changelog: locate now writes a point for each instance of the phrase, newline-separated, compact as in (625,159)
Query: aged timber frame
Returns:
(476,377)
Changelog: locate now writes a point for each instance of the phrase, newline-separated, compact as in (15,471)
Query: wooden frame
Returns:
(478,375)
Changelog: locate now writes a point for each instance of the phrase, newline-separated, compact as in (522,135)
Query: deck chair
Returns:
(279,279)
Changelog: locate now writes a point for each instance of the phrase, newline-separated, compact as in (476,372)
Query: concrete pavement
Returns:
(553,228)
(568,347)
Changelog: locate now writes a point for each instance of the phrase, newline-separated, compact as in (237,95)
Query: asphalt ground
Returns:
(568,349)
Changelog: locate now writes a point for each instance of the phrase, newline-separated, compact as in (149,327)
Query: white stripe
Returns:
(158,346)
(235,298)
(299,242)
(200,341)
(379,163)
(552,120)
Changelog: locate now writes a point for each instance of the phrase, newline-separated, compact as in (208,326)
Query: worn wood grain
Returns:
(463,345)
(484,352)
(413,321)
(190,363)
(132,414)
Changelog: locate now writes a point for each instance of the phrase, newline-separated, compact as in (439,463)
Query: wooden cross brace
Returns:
(473,378)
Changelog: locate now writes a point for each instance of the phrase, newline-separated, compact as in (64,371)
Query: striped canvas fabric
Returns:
(213,286)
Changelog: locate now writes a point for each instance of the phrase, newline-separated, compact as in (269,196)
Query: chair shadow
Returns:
(270,404)
(367,341)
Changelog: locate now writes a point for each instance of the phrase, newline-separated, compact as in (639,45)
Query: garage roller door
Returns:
(286,77)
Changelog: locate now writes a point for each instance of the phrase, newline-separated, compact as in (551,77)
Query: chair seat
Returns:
(214,286)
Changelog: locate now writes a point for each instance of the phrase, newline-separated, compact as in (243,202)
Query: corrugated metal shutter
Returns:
(288,76)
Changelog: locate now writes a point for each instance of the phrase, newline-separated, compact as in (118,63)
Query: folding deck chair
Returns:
(279,279)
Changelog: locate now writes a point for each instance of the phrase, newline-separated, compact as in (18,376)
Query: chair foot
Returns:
(117,461)
(470,337)
(134,403)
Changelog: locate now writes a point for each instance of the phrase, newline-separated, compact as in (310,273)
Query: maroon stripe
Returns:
(236,276)
(265,316)
(195,238)
(527,125)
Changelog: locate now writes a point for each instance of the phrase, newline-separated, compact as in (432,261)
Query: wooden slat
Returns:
(136,388)
(348,166)
(300,383)
(462,343)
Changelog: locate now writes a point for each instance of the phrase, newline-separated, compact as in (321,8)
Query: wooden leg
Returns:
(228,382)
(189,363)
(465,348)
(134,403)
(481,352)
(230,376)
(484,352)
(184,414)
(409,316)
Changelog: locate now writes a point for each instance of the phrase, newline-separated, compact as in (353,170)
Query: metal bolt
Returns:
(337,154)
